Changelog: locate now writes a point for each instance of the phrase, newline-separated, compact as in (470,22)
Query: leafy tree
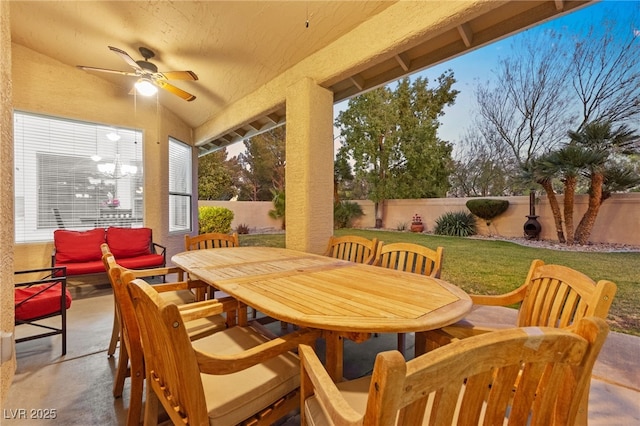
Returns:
(263,164)
(342,178)
(217,176)
(390,136)
(279,206)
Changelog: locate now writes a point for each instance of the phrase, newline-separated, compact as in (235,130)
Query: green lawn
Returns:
(494,267)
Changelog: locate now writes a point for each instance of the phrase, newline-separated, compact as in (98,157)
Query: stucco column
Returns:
(6,194)
(309,176)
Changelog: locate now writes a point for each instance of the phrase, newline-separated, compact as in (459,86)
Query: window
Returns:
(67,171)
(179,186)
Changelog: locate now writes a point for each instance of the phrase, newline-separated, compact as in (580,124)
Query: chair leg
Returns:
(151,407)
(401,343)
(135,400)
(121,371)
(115,333)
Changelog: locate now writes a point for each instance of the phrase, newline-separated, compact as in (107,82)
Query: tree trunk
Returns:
(555,207)
(583,231)
(569,193)
(376,209)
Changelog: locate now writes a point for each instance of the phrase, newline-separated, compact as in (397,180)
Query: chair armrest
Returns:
(511,298)
(152,272)
(163,250)
(53,275)
(206,308)
(314,379)
(178,285)
(227,364)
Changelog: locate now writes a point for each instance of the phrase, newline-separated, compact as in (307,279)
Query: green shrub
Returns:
(214,219)
(344,214)
(487,209)
(456,224)
(279,206)
(242,229)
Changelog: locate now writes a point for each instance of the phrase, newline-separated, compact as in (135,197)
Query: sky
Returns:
(479,64)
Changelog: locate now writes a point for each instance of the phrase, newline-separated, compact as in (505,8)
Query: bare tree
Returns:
(605,70)
(526,106)
(563,80)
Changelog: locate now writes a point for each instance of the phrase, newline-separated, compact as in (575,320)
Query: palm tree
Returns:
(570,162)
(605,145)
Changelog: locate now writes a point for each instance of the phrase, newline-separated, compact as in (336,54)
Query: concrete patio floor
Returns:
(78,385)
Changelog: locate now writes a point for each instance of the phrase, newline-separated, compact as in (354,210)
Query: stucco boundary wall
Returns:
(618,220)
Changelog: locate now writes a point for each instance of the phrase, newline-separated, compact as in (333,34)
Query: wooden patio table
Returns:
(342,298)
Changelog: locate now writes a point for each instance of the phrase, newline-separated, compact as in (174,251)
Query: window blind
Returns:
(55,172)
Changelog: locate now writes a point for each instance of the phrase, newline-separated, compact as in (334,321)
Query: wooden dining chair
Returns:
(177,296)
(413,258)
(201,319)
(211,240)
(551,296)
(353,248)
(531,375)
(231,377)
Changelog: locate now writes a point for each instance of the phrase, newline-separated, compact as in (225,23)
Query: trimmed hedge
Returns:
(486,208)
(214,219)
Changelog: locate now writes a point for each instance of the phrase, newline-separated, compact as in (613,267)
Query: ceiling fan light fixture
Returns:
(145,87)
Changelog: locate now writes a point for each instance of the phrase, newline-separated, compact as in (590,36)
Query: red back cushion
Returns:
(129,242)
(78,246)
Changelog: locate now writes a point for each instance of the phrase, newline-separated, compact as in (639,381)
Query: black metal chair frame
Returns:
(56,276)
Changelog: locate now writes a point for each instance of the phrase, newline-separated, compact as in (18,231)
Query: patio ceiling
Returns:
(238,47)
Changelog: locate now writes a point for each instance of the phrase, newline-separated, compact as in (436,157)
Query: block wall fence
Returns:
(618,220)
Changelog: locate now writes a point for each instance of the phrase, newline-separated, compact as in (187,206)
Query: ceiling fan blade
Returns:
(175,90)
(179,75)
(128,59)
(82,67)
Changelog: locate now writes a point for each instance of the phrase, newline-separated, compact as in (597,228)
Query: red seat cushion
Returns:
(81,268)
(45,303)
(78,246)
(140,262)
(128,242)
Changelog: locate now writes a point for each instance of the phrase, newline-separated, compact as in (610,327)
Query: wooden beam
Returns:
(403,60)
(274,118)
(559,5)
(240,132)
(466,34)
(255,125)
(357,81)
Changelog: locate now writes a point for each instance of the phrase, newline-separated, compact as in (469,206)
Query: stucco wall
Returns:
(43,85)
(618,220)
(7,369)
(254,214)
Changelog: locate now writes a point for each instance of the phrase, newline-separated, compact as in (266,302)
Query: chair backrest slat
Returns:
(558,296)
(353,248)
(211,240)
(410,257)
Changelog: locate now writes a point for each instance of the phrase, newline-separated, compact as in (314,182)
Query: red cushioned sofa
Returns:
(80,251)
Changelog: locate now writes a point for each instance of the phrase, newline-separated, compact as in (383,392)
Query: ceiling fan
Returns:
(148,75)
